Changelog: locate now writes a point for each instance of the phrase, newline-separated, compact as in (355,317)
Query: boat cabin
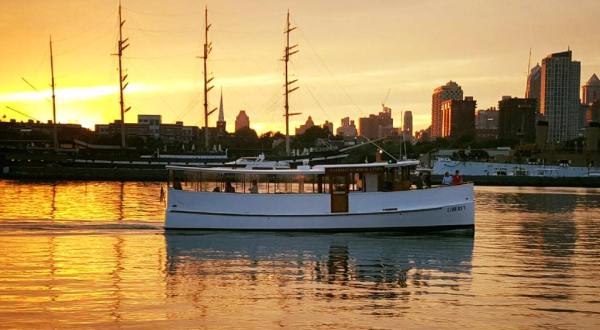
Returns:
(336,180)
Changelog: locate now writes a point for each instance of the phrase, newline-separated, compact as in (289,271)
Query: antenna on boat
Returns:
(207,80)
(54,125)
(289,51)
(122,44)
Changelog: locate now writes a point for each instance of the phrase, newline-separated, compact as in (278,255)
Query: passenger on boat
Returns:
(456,178)
(427,179)
(254,187)
(217,189)
(447,179)
(419,181)
(229,188)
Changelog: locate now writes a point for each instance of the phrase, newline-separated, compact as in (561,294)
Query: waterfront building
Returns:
(517,118)
(146,128)
(328,126)
(590,92)
(450,91)
(458,118)
(407,126)
(377,126)
(242,121)
(347,129)
(221,124)
(153,122)
(534,85)
(593,113)
(423,135)
(486,124)
(308,124)
(559,98)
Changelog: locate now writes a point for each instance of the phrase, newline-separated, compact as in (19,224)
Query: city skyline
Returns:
(344,67)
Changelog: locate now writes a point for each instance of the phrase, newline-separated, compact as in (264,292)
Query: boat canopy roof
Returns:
(301,170)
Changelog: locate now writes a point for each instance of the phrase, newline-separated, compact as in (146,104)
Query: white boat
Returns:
(473,168)
(348,197)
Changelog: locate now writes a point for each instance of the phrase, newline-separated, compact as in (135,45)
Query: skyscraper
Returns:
(407,125)
(221,124)
(450,91)
(242,121)
(517,118)
(458,118)
(559,97)
(591,90)
(534,85)
(377,126)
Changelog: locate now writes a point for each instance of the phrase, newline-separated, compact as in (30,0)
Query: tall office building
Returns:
(377,126)
(242,121)
(450,91)
(458,118)
(559,97)
(534,85)
(517,118)
(591,90)
(407,125)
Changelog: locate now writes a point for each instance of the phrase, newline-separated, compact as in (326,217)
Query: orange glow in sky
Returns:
(350,54)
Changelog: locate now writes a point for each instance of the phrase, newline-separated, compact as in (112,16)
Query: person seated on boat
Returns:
(427,179)
(446,179)
(419,181)
(254,187)
(229,188)
(456,178)
(217,189)
(177,184)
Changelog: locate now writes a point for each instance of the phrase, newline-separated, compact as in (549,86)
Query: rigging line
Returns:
(35,88)
(165,15)
(22,113)
(362,112)
(95,27)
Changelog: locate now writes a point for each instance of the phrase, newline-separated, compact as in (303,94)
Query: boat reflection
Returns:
(372,261)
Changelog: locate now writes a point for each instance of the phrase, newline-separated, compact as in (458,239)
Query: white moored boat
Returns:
(348,197)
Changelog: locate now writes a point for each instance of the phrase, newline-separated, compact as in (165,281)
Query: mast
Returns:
(289,51)
(54,125)
(207,80)
(528,73)
(123,43)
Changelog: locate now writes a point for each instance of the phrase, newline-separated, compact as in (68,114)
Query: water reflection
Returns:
(94,201)
(372,265)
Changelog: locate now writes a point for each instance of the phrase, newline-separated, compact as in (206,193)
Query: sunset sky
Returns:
(351,53)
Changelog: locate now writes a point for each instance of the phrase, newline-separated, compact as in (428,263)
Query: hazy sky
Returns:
(351,53)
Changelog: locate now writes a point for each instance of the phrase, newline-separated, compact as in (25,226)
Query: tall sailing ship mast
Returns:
(54,124)
(207,80)
(122,44)
(289,51)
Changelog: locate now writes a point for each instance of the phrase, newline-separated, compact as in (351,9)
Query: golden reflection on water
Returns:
(65,201)
(534,263)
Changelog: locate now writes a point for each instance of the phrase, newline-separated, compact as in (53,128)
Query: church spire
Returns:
(221,114)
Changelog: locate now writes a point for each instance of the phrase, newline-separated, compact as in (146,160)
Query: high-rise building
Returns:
(328,126)
(534,85)
(450,91)
(308,124)
(591,90)
(517,118)
(458,118)
(347,129)
(407,128)
(221,124)
(486,124)
(242,121)
(559,97)
(377,126)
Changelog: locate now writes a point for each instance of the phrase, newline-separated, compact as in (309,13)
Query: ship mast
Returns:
(528,73)
(207,80)
(289,51)
(54,124)
(123,43)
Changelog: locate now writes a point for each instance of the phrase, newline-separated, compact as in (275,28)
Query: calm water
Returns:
(94,255)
